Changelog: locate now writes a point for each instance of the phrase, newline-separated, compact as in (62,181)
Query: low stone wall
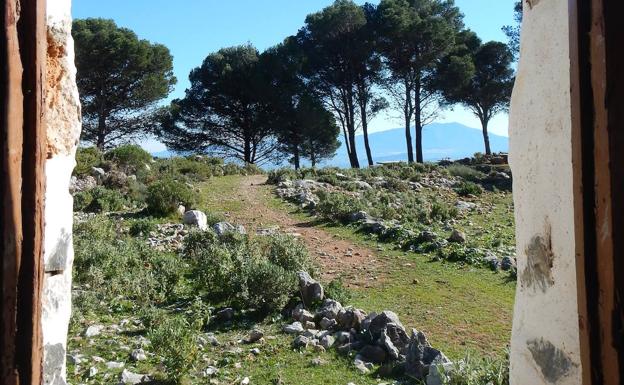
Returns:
(63,131)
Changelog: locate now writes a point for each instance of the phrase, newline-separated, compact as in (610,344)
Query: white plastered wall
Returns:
(63,130)
(545,338)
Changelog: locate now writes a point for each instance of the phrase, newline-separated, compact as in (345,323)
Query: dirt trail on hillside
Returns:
(356,265)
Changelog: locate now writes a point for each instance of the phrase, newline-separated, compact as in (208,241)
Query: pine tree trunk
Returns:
(101,133)
(369,155)
(486,136)
(355,162)
(418,124)
(247,152)
(408,126)
(296,158)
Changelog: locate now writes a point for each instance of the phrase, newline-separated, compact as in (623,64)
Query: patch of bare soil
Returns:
(356,265)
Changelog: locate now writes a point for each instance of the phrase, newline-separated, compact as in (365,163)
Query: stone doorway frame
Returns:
(22,181)
(597,57)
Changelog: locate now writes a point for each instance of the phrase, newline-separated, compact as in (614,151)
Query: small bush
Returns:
(104,200)
(337,206)
(475,371)
(440,211)
(257,274)
(468,188)
(175,340)
(165,196)
(130,157)
(337,291)
(120,269)
(86,159)
(465,172)
(142,227)
(82,200)
(460,253)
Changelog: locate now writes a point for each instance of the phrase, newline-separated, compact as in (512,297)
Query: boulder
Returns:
(457,237)
(302,315)
(294,328)
(491,260)
(386,343)
(196,218)
(359,216)
(226,314)
(327,341)
(373,353)
(93,331)
(329,309)
(301,341)
(507,263)
(138,355)
(420,356)
(128,377)
(361,185)
(427,236)
(327,324)
(465,206)
(381,322)
(311,291)
(350,318)
(223,228)
(254,336)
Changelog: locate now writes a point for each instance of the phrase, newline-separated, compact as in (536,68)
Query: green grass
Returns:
(460,308)
(219,195)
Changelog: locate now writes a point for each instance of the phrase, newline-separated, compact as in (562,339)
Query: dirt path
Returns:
(356,265)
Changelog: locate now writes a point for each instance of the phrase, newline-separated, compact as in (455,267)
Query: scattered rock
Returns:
(93,331)
(311,290)
(93,372)
(254,336)
(245,381)
(210,371)
(327,341)
(300,342)
(465,206)
(128,377)
(138,355)
(196,218)
(420,356)
(294,328)
(255,351)
(226,314)
(222,228)
(329,309)
(373,353)
(327,324)
(427,236)
(507,263)
(457,237)
(115,365)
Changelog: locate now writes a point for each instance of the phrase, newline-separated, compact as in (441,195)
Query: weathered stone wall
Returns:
(545,339)
(63,131)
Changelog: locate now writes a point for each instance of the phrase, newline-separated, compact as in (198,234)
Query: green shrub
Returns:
(174,339)
(119,269)
(337,291)
(86,159)
(285,251)
(468,188)
(440,211)
(82,200)
(338,206)
(142,227)
(166,195)
(477,371)
(460,253)
(465,172)
(104,200)
(130,158)
(236,271)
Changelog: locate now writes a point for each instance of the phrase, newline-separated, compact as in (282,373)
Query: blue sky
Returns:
(194,28)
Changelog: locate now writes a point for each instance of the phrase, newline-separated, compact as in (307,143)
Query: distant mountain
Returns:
(440,141)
